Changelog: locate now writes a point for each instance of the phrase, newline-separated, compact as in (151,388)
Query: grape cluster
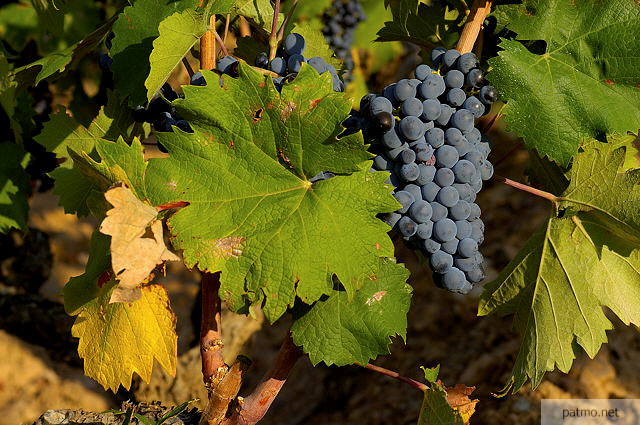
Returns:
(423,133)
(289,60)
(340,22)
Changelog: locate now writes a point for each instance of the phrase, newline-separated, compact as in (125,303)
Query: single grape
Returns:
(476,275)
(464,171)
(277,65)
(412,107)
(459,211)
(454,79)
(430,191)
(474,211)
(448,196)
(432,86)
(440,261)
(462,120)
(379,104)
(473,136)
(464,264)
(465,191)
(404,90)
(475,78)
(439,211)
(408,156)
(477,231)
(450,247)
(422,71)
(388,93)
(486,170)
(454,280)
(294,63)
(453,137)
(444,177)
(405,199)
(423,151)
(467,247)
(446,112)
(446,156)
(414,190)
(407,227)
(435,137)
(430,246)
(427,173)
(488,95)
(450,57)
(463,229)
(409,172)
(476,185)
(294,44)
(411,128)
(456,97)
(474,105)
(484,148)
(383,122)
(436,55)
(382,163)
(430,109)
(467,62)
(445,230)
(391,218)
(475,158)
(425,230)
(420,211)
(391,140)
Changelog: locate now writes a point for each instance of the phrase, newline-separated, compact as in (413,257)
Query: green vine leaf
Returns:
(135,30)
(14,187)
(584,84)
(427,25)
(245,172)
(341,331)
(582,260)
(118,339)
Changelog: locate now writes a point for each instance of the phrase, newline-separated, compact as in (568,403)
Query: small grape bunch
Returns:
(423,132)
(340,22)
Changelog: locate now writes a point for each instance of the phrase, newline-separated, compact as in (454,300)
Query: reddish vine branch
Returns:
(541,193)
(213,365)
(255,406)
(479,11)
(273,38)
(395,375)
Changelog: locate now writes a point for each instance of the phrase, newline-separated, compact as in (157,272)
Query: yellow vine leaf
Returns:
(118,339)
(135,251)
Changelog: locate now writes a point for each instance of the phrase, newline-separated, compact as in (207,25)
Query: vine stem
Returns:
(213,365)
(541,193)
(188,67)
(273,38)
(226,28)
(395,375)
(245,28)
(479,11)
(255,406)
(286,20)
(208,46)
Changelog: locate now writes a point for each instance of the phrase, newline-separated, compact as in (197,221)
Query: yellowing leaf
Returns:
(134,252)
(447,405)
(118,339)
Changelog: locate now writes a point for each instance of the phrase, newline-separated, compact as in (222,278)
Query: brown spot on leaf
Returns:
(104,278)
(638,85)
(284,157)
(232,144)
(314,102)
(172,186)
(376,297)
(270,105)
(378,246)
(609,82)
(287,110)
(209,136)
(262,84)
(228,247)
(257,114)
(296,88)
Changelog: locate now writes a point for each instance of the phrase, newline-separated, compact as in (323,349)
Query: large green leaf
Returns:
(260,12)
(135,30)
(586,82)
(341,331)
(14,187)
(587,256)
(427,25)
(245,172)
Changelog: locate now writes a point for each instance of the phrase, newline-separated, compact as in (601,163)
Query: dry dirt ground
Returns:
(443,329)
